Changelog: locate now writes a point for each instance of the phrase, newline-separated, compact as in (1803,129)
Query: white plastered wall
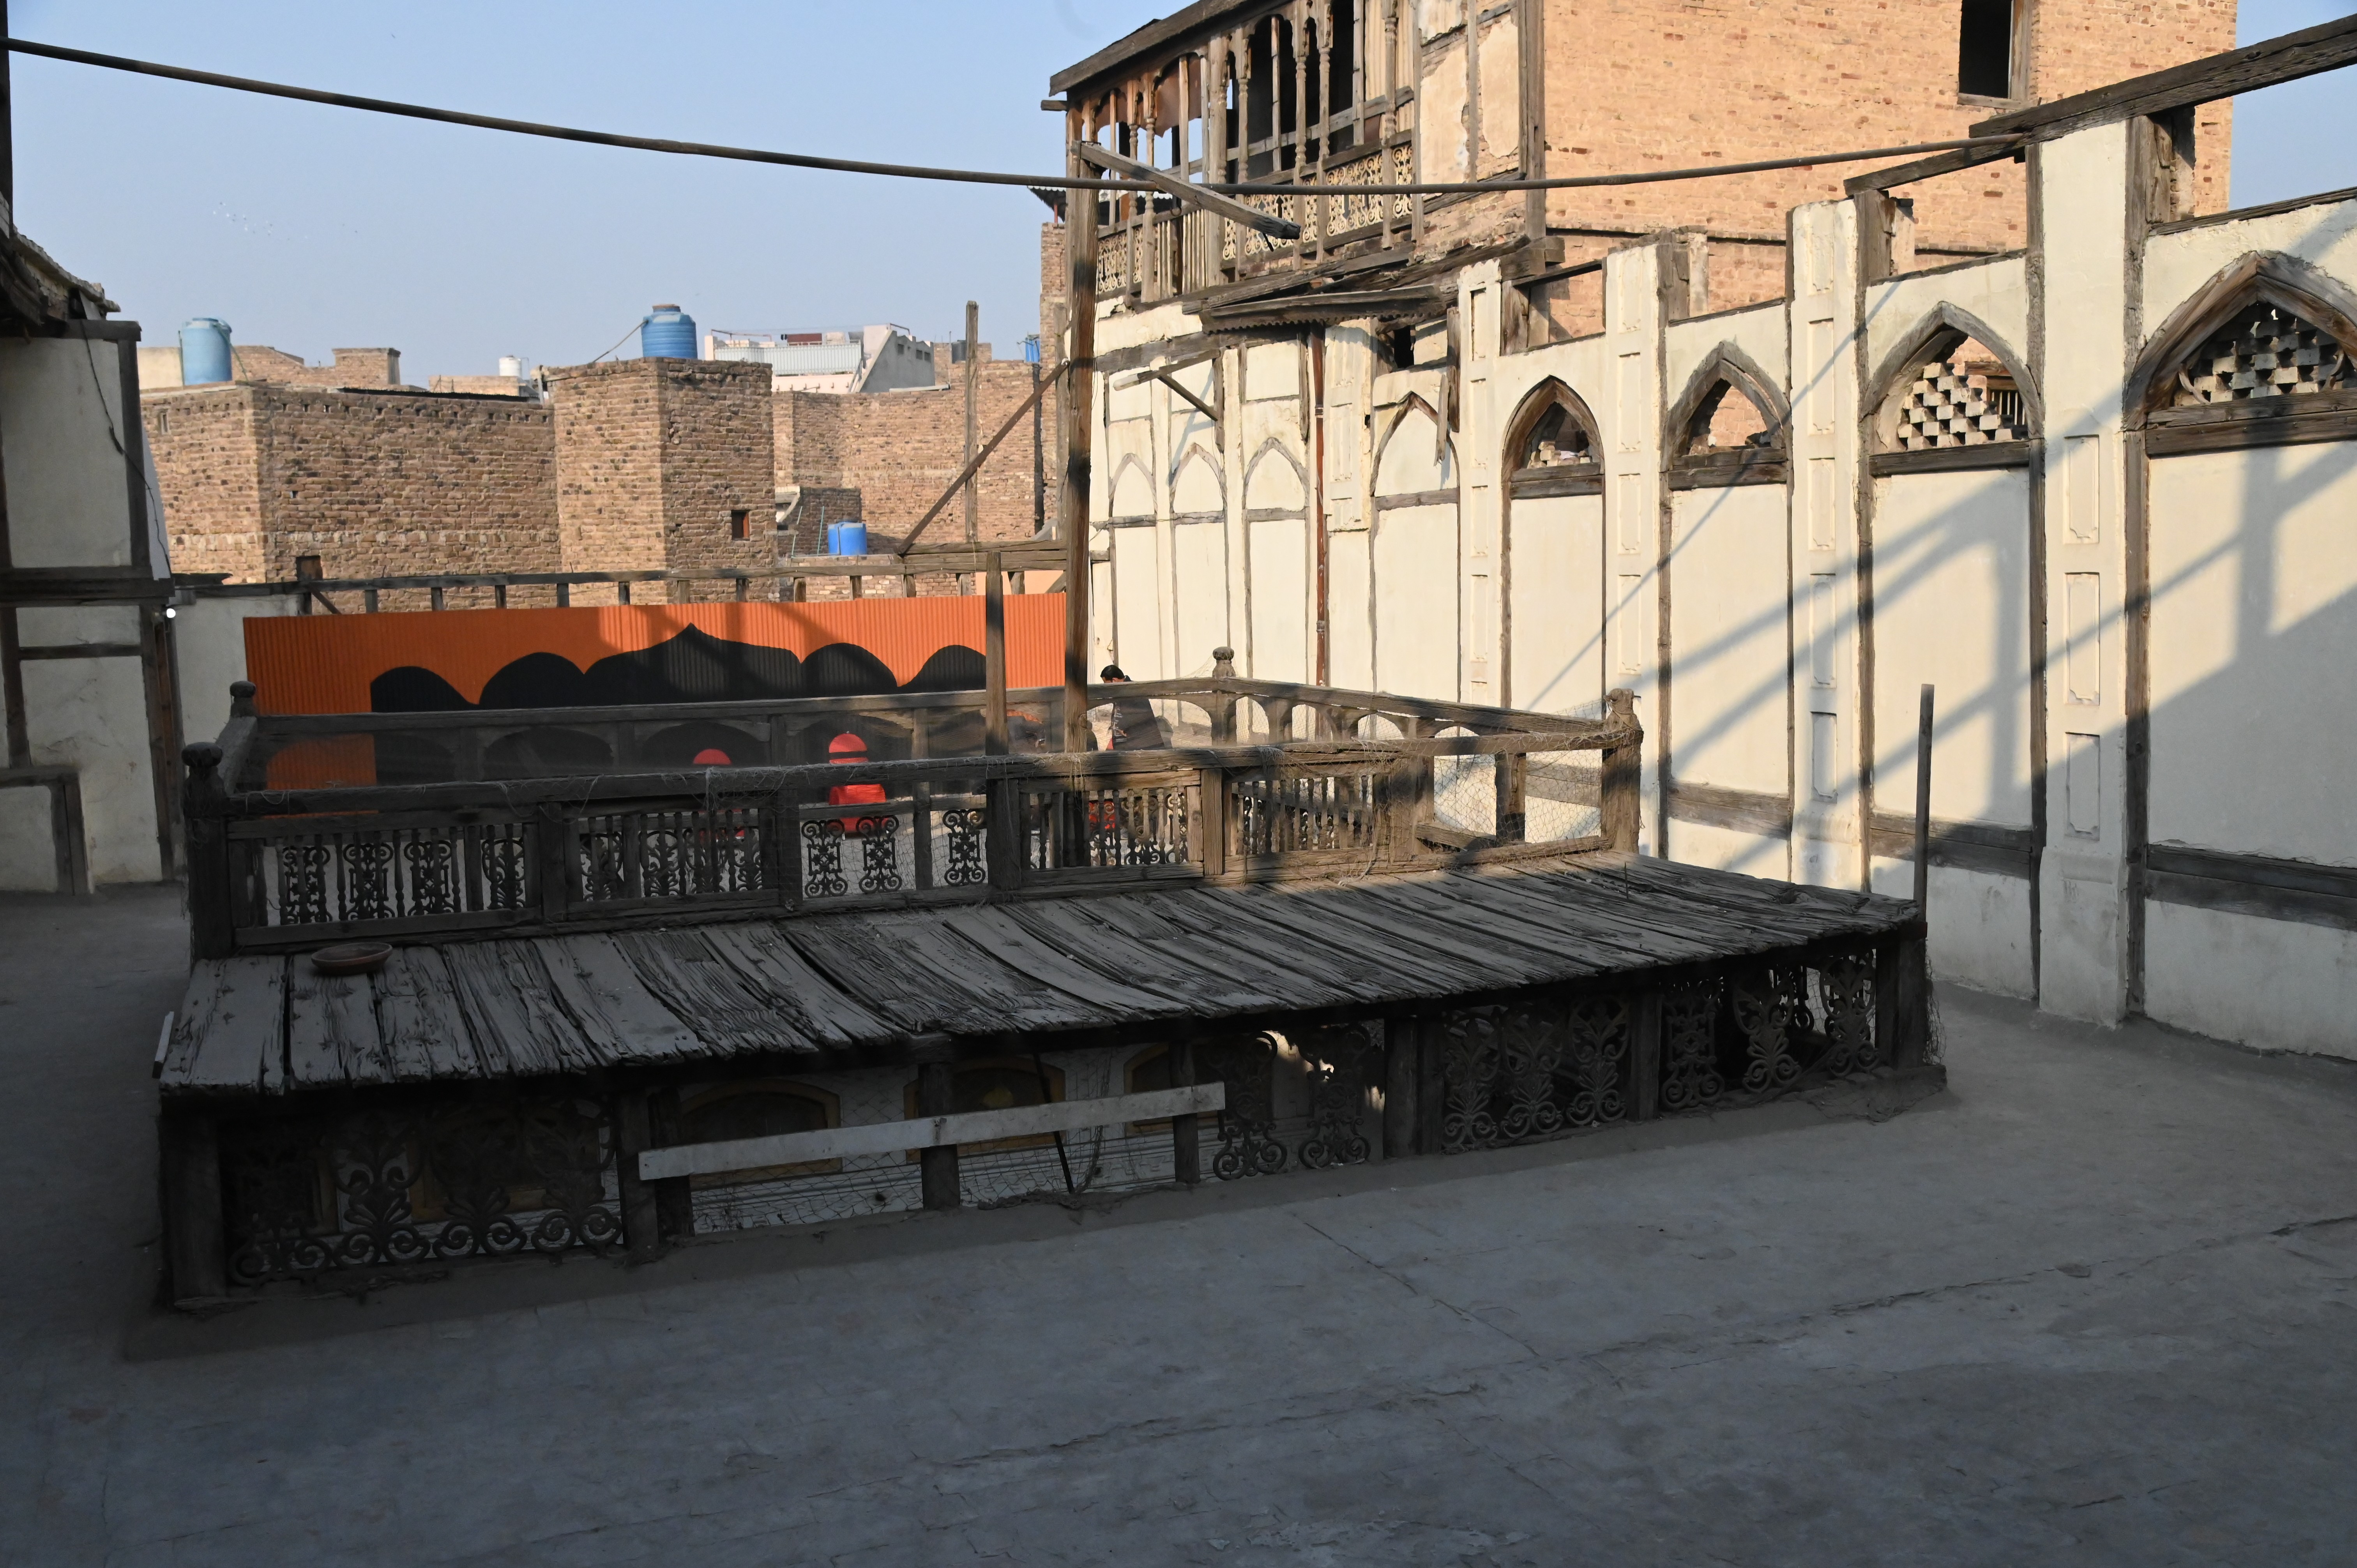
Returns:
(1554,549)
(1828,825)
(2082,884)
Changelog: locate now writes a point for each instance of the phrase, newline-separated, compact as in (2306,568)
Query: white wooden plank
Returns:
(928,1132)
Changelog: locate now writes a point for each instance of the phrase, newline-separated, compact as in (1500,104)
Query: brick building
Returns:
(257,476)
(898,451)
(664,465)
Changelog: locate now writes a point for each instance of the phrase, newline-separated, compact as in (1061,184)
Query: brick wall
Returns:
(655,456)
(1667,83)
(374,484)
(351,367)
(899,450)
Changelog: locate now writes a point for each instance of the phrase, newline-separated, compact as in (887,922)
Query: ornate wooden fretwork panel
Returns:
(2266,351)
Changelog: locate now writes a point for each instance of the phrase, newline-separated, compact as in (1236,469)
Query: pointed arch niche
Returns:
(1952,395)
(1729,427)
(1550,444)
(2260,356)
(1552,565)
(1199,491)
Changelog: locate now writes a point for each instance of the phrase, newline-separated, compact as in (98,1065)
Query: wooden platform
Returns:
(870,988)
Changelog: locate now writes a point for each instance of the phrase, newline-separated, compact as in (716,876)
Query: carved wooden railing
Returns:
(275,868)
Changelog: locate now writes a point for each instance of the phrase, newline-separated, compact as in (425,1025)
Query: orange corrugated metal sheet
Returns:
(324,664)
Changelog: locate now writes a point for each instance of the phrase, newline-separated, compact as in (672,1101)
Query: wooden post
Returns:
(1080,391)
(1902,1000)
(1003,832)
(674,1199)
(196,1246)
(66,835)
(1402,1081)
(938,1167)
(641,1225)
(972,417)
(1186,1138)
(554,861)
(1512,779)
(1211,795)
(1923,806)
(212,918)
(994,642)
(1645,1055)
(1622,768)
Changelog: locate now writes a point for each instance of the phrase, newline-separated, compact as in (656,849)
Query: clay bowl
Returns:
(351,958)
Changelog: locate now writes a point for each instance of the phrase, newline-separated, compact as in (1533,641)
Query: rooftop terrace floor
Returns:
(2094,1305)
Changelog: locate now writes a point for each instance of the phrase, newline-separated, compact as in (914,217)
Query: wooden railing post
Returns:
(1212,792)
(1622,770)
(994,622)
(1002,833)
(212,915)
(553,861)
(1512,781)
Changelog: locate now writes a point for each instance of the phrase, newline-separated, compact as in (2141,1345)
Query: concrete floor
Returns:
(2091,1306)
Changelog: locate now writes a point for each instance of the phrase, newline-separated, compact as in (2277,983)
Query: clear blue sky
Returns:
(308,227)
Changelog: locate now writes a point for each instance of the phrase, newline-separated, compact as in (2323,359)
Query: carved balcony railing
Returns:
(289,849)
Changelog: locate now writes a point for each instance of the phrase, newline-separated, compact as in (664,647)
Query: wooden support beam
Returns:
(993,640)
(1080,395)
(1189,194)
(195,1246)
(1185,1135)
(641,1229)
(1952,162)
(1620,808)
(2271,61)
(937,1161)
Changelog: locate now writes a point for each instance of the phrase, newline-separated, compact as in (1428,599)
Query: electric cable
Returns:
(966,176)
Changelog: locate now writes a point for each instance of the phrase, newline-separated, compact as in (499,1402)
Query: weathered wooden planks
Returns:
(875,980)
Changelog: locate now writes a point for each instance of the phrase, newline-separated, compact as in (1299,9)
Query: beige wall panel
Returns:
(1759,332)
(1416,601)
(61,420)
(1998,292)
(1557,574)
(1280,600)
(1952,606)
(1754,854)
(1441,111)
(1137,604)
(1501,66)
(1349,609)
(1728,600)
(2176,265)
(2274,984)
(92,713)
(2255,625)
(1199,570)
(1980,924)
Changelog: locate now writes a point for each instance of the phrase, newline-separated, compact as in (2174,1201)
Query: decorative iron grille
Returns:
(2262,352)
(1109,826)
(309,1196)
(339,876)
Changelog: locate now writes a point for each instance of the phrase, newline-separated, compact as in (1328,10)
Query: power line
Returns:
(965,176)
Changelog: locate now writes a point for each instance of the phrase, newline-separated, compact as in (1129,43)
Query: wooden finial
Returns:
(241,700)
(1224,663)
(202,757)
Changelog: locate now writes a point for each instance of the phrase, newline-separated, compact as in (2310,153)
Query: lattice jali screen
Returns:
(1960,401)
(2262,352)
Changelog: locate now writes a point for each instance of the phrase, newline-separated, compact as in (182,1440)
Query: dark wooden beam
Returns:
(2327,47)
(1938,164)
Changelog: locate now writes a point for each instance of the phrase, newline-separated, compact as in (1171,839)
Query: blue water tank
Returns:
(204,352)
(846,539)
(1031,348)
(667,333)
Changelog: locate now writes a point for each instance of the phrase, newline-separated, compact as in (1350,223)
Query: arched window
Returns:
(2258,356)
(1952,396)
(1550,446)
(998,1083)
(2264,351)
(1729,427)
(758,1108)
